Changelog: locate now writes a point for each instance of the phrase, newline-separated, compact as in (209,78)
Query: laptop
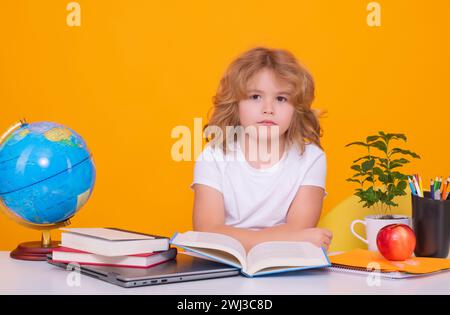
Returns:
(183,268)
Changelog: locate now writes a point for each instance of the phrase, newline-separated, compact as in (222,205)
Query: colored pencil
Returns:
(437,195)
(448,183)
(420,184)
(432,189)
(411,186)
(436,183)
(444,190)
(416,185)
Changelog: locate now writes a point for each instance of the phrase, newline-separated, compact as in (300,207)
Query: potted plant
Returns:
(380,181)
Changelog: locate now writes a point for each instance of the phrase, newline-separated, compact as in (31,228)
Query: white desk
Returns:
(27,277)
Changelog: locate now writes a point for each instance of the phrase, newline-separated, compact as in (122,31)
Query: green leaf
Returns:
(357,143)
(407,152)
(383,136)
(379,145)
(401,185)
(400,161)
(360,193)
(372,138)
(396,136)
(394,165)
(383,178)
(400,136)
(371,195)
(353,180)
(356,168)
(367,157)
(368,179)
(377,171)
(390,178)
(368,165)
(399,176)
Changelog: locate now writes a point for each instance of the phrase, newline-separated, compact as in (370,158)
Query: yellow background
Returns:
(136,69)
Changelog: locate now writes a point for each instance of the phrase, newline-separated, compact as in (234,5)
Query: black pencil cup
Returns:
(431,224)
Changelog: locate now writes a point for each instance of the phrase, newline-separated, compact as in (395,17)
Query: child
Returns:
(263,101)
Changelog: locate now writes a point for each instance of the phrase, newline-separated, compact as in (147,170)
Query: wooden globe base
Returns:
(34,251)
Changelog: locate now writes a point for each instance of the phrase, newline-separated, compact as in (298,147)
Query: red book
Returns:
(146,260)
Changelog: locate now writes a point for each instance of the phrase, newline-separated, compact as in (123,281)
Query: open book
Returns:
(263,259)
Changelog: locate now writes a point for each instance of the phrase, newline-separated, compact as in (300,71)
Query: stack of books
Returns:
(112,247)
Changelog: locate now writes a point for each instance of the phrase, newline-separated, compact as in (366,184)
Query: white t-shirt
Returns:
(259,198)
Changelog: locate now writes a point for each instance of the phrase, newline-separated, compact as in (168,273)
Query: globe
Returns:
(47,174)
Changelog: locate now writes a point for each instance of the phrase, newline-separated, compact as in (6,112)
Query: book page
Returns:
(219,255)
(215,241)
(284,254)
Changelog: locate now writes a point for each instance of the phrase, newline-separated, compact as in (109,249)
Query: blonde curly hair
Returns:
(304,126)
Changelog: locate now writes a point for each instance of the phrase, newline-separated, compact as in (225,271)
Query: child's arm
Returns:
(303,215)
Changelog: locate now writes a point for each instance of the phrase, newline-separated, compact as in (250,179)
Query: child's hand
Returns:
(317,236)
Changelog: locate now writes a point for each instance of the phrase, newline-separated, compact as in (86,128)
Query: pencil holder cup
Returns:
(431,224)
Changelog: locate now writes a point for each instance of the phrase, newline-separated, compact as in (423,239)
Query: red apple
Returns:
(396,241)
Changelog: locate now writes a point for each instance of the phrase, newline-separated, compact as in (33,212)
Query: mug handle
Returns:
(352,228)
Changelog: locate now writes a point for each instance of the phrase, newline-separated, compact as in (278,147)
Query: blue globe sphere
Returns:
(46,173)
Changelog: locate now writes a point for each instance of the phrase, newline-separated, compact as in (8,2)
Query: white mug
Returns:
(373,224)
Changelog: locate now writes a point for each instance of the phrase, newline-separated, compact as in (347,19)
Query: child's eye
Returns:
(255,96)
(281,99)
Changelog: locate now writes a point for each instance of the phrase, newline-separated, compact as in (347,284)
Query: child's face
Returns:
(267,99)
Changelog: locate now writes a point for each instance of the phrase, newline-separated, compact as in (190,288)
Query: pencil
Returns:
(444,189)
(436,183)
(432,189)
(437,195)
(420,184)
(416,185)
(448,183)
(411,186)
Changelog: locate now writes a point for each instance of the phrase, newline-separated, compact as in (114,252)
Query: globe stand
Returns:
(35,251)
